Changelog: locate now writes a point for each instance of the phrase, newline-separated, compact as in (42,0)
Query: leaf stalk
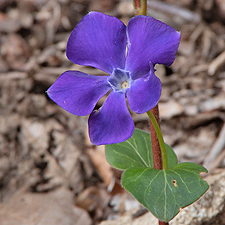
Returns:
(160,139)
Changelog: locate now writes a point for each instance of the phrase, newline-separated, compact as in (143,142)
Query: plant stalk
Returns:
(158,145)
(156,152)
(163,223)
(140,7)
(159,157)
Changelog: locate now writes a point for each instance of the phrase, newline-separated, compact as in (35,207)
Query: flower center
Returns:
(119,80)
(125,85)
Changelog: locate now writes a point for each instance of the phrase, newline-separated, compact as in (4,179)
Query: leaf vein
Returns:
(136,150)
(149,186)
(182,181)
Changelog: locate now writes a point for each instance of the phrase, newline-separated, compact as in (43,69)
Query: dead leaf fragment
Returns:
(54,208)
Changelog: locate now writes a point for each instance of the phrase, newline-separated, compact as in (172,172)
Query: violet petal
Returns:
(77,92)
(112,123)
(149,40)
(98,40)
(144,92)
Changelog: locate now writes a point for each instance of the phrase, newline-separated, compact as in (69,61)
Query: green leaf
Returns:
(135,152)
(164,192)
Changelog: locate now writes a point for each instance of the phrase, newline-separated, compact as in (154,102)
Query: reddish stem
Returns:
(163,223)
(140,9)
(156,152)
(137,5)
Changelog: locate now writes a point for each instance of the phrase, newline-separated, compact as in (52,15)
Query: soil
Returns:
(46,150)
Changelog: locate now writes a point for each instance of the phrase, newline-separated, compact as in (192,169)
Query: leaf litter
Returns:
(45,150)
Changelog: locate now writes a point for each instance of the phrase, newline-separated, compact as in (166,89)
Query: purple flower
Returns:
(100,41)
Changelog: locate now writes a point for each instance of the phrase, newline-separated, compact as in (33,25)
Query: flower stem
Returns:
(140,7)
(156,152)
(163,223)
(157,156)
(160,139)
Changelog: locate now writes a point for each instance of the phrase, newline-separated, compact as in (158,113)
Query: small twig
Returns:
(13,75)
(216,149)
(216,63)
(174,11)
(215,164)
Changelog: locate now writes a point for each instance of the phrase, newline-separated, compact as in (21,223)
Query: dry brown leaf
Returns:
(55,208)
(97,156)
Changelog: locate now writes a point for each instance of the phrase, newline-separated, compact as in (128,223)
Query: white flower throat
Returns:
(120,80)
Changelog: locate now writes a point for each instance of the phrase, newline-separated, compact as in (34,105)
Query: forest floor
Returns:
(50,173)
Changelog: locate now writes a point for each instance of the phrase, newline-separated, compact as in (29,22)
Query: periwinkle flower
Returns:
(100,41)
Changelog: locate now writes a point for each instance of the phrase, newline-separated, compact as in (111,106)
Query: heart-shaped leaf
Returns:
(164,192)
(135,152)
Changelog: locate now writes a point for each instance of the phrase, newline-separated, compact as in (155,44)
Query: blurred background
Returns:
(50,173)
